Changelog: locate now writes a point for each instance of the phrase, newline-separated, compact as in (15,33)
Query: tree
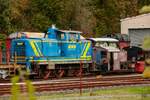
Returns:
(145,9)
(90,16)
(142,3)
(18,15)
(109,12)
(75,14)
(4,16)
(44,13)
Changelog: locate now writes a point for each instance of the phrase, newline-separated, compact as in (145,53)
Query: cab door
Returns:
(19,52)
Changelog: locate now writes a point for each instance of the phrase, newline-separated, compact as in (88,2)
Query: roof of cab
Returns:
(28,34)
(104,39)
(70,31)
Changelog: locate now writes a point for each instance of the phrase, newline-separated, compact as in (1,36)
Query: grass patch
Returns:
(126,90)
(124,93)
(118,93)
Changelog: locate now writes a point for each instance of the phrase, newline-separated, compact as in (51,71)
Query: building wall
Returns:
(138,22)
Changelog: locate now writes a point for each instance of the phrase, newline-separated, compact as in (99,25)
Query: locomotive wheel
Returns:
(71,72)
(77,73)
(44,73)
(47,74)
(60,73)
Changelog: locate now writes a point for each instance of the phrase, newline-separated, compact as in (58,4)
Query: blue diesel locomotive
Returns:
(59,52)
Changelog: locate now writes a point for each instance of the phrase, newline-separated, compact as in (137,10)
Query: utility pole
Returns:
(81,78)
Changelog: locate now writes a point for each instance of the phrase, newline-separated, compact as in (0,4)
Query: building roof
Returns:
(104,39)
(135,17)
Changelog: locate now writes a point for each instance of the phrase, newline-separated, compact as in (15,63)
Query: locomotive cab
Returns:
(69,42)
(105,55)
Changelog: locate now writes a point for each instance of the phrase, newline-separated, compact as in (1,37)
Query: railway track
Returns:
(70,84)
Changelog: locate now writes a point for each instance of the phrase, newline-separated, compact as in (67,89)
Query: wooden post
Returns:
(80,78)
(7,56)
(15,62)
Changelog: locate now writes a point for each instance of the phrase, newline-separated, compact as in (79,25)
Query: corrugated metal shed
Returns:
(137,28)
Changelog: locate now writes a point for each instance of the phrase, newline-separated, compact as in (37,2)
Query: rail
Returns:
(87,83)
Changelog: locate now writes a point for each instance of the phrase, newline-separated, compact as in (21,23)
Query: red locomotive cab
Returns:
(124,44)
(140,64)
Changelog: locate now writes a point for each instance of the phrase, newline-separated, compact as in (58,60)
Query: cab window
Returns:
(113,45)
(61,36)
(73,37)
(104,44)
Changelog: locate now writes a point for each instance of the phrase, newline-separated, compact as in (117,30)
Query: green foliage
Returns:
(15,90)
(40,22)
(143,3)
(31,90)
(145,9)
(146,43)
(101,29)
(86,15)
(146,73)
(146,46)
(2,38)
(4,16)
(109,12)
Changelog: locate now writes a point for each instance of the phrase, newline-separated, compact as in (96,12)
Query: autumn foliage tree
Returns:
(90,16)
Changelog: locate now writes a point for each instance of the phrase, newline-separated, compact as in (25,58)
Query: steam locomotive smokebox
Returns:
(139,66)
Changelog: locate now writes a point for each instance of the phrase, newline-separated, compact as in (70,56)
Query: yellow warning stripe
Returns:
(34,48)
(38,49)
(86,49)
